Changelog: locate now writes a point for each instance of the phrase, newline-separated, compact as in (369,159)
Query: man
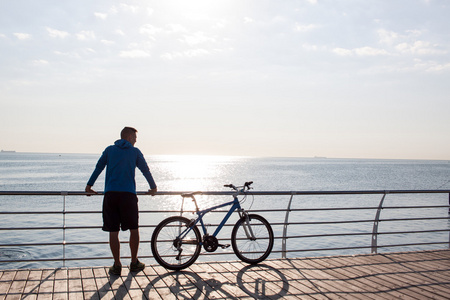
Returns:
(120,203)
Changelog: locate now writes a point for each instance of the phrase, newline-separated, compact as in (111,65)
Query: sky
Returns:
(291,78)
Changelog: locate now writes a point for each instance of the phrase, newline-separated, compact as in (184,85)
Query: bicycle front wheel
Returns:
(172,248)
(252,239)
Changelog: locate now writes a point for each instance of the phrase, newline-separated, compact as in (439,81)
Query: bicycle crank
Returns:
(210,243)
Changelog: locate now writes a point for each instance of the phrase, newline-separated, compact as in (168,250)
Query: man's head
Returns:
(129,134)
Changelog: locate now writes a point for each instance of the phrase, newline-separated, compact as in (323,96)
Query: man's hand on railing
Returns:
(152,191)
(89,190)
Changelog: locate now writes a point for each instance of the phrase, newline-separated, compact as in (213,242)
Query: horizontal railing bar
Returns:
(57,244)
(274,193)
(416,219)
(363,233)
(52,228)
(362,221)
(96,258)
(324,222)
(361,247)
(416,231)
(222,253)
(224,211)
(424,206)
(228,239)
(414,244)
(90,227)
(229,225)
(228,253)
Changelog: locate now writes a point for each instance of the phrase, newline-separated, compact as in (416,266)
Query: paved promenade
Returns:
(409,275)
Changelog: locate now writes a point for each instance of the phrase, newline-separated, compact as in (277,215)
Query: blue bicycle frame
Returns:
(235,206)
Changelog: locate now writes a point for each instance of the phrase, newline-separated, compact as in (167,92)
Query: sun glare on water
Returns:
(194,172)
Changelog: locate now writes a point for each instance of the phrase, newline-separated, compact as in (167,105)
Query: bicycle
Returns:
(176,241)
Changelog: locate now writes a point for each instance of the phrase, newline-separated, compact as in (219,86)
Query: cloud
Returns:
(312,47)
(22,36)
(409,42)
(135,53)
(40,62)
(342,51)
(438,67)
(102,16)
(54,33)
(107,42)
(362,51)
(85,35)
(419,48)
(197,38)
(188,53)
(174,28)
(430,66)
(150,30)
(248,20)
(387,37)
(119,32)
(129,8)
(124,8)
(304,28)
(369,51)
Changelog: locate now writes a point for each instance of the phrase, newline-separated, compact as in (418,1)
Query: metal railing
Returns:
(287,223)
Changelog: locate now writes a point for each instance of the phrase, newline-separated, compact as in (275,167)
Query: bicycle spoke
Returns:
(252,239)
(169,249)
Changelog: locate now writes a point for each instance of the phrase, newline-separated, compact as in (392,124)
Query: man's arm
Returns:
(98,169)
(152,191)
(142,165)
(89,190)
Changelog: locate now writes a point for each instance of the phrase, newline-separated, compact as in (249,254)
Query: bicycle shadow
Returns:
(262,281)
(185,285)
(257,281)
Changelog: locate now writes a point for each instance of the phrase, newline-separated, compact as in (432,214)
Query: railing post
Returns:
(182,206)
(375,224)
(286,219)
(64,194)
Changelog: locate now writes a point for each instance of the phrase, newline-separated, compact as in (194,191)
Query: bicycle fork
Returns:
(247,228)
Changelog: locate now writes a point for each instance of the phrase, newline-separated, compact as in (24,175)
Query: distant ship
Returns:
(8,151)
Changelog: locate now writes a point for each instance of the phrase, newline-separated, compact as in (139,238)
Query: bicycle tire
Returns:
(252,251)
(164,239)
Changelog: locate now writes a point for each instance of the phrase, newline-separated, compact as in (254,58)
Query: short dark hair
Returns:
(126,132)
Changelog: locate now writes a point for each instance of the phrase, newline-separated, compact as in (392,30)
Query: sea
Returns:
(311,214)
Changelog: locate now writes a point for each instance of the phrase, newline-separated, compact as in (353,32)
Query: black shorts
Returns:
(120,210)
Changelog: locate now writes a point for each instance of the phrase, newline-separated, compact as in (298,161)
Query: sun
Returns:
(197,9)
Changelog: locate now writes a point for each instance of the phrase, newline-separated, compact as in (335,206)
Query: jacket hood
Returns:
(123,144)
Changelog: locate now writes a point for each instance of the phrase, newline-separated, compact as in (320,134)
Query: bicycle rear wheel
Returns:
(252,242)
(171,251)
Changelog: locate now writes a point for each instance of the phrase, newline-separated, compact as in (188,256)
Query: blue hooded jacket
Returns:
(121,160)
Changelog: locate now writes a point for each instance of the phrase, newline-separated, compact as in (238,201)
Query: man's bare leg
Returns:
(134,244)
(114,244)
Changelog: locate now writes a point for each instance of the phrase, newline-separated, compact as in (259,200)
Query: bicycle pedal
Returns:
(224,246)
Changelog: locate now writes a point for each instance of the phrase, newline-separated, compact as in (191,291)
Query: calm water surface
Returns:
(70,172)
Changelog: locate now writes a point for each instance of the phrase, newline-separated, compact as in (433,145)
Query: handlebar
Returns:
(246,185)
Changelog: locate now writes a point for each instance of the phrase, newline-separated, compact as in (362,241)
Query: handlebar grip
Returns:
(248,183)
(228,185)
